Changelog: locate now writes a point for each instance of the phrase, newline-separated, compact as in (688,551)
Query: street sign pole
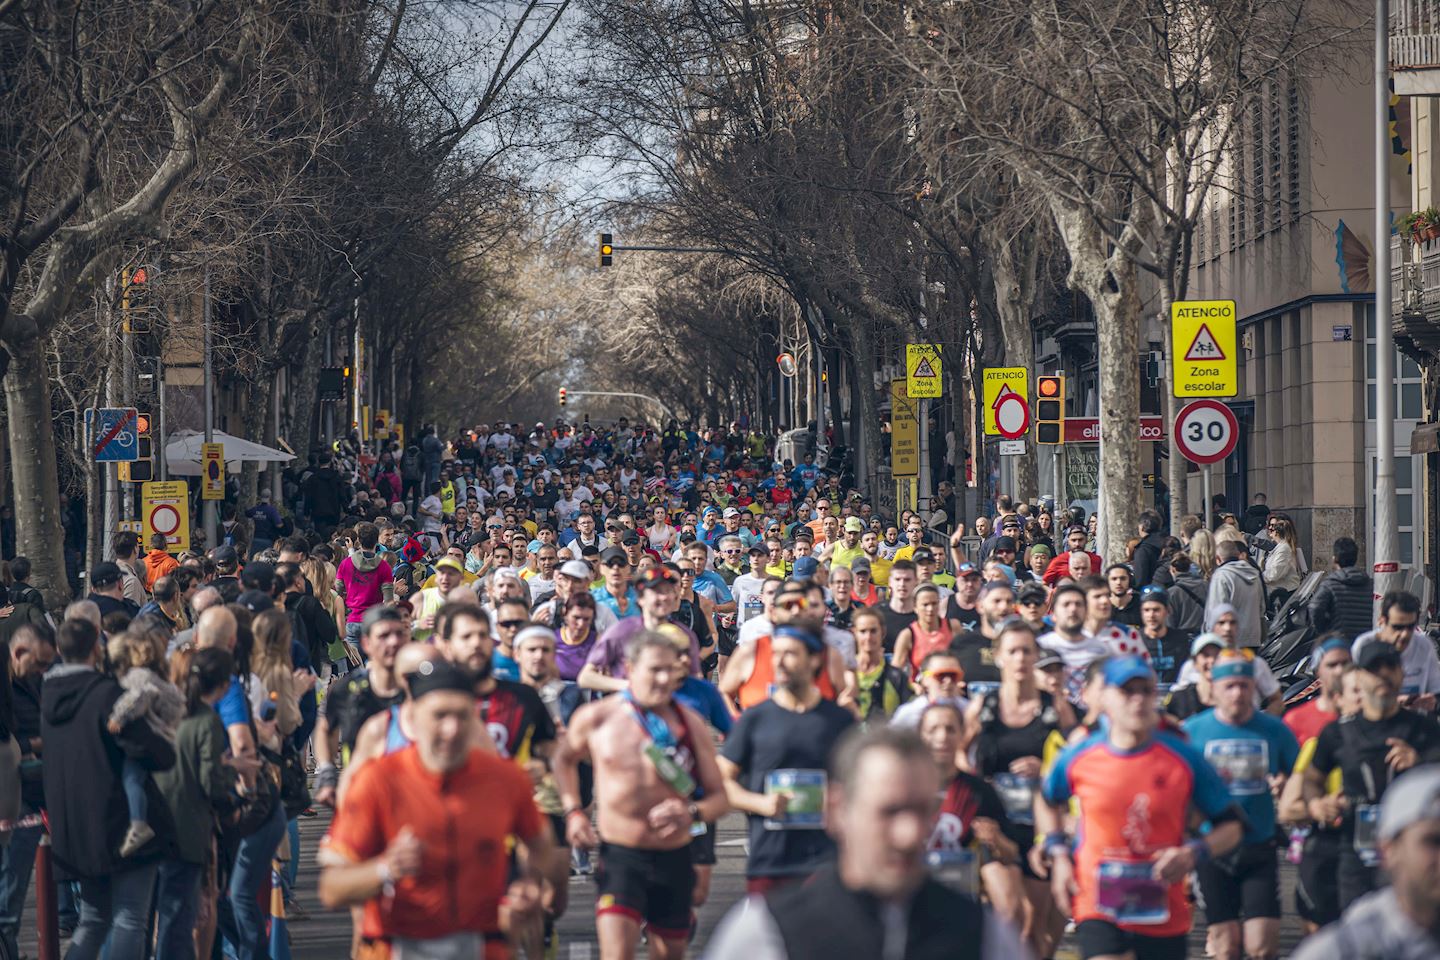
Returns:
(1387,536)
(207,510)
(1205,494)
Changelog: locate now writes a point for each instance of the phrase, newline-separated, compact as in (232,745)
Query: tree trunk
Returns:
(303,390)
(1014,262)
(1107,276)
(38,531)
(255,414)
(866,470)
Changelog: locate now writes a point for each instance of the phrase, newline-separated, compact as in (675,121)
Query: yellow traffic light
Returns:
(607,248)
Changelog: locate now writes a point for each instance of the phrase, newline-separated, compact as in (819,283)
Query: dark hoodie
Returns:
(1147,559)
(325,494)
(83,792)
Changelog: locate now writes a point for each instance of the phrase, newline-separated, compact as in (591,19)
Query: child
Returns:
(140,662)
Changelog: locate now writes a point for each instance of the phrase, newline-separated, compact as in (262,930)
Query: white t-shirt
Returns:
(908,714)
(431,504)
(746,591)
(1421,665)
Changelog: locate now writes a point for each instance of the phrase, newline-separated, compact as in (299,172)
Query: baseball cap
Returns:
(854,524)
(1041,548)
(967,570)
(1377,653)
(1032,593)
(757,548)
(436,675)
(629,538)
(1413,797)
(1005,543)
(613,555)
(923,555)
(1048,660)
(105,573)
(731,512)
(224,554)
(1011,522)
(449,563)
(805,568)
(1122,670)
(860,565)
(1205,640)
(578,569)
(1154,594)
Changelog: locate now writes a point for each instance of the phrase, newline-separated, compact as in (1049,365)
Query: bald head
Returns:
(84,610)
(204,599)
(216,630)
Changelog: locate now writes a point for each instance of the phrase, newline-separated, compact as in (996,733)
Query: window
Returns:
(1257,166)
(1276,161)
(1293,150)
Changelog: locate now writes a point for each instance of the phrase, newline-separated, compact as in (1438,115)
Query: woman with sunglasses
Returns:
(1018,731)
(930,632)
(970,848)
(1282,561)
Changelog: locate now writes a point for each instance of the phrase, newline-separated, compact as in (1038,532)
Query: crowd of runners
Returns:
(516,657)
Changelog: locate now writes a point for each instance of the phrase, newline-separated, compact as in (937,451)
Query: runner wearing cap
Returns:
(449,576)
(571,578)
(1400,920)
(617,593)
(1031,601)
(434,883)
(1037,559)
(658,598)
(963,605)
(1191,699)
(775,758)
(863,589)
(1168,646)
(1123,880)
(845,552)
(1225,624)
(656,779)
(1253,753)
(1370,749)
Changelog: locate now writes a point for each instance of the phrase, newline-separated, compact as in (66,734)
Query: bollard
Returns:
(47,921)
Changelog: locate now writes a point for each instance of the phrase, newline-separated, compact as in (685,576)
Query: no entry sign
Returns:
(165,509)
(1206,431)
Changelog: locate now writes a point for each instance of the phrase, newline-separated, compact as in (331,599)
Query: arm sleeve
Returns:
(1056,788)
(216,779)
(719,715)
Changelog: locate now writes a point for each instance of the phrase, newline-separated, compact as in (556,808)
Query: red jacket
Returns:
(1060,567)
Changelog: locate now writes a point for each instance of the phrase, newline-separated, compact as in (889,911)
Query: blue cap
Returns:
(805,568)
(812,642)
(1122,670)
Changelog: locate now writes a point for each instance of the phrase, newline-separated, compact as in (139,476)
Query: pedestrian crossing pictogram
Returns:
(1204,346)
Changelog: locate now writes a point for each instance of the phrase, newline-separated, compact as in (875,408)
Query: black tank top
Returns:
(999,745)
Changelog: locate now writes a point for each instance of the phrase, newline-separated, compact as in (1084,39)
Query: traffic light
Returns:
(142,469)
(607,247)
(1050,410)
(331,383)
(563,396)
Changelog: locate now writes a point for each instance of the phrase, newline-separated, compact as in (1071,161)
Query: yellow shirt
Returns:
(843,556)
(880,571)
(466,577)
(447,498)
(906,552)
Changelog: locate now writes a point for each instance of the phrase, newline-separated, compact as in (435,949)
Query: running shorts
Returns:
(651,887)
(1242,885)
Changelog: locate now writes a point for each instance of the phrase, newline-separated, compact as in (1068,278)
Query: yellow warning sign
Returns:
(1203,349)
(996,383)
(922,371)
(165,509)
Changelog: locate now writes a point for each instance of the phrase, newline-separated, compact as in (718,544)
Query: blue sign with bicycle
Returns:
(111,434)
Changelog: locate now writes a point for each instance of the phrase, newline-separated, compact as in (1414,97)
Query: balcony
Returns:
(1415,46)
(1415,297)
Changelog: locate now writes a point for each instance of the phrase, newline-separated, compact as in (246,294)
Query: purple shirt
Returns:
(608,654)
(569,659)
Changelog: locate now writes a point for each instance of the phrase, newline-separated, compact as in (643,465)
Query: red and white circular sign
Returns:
(1206,431)
(1012,416)
(164,519)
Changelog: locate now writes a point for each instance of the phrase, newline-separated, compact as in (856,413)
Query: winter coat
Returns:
(1147,559)
(81,772)
(1187,602)
(200,784)
(1345,602)
(325,494)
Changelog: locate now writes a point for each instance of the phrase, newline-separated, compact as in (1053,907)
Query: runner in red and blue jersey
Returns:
(1141,793)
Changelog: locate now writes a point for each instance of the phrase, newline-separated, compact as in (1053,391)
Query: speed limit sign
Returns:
(1206,431)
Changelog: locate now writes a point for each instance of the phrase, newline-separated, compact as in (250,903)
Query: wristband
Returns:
(1200,849)
(1056,841)
(574,810)
(386,878)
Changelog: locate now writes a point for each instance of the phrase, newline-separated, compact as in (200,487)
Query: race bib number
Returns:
(978,689)
(805,806)
(1367,820)
(1244,765)
(957,869)
(1128,892)
(1017,794)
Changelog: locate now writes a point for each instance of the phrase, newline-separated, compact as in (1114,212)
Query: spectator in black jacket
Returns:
(1148,550)
(86,802)
(325,496)
(1345,600)
(107,590)
(32,651)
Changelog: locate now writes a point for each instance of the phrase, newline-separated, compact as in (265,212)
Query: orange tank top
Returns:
(756,687)
(923,643)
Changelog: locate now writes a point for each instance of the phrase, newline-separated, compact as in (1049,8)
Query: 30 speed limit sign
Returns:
(1206,431)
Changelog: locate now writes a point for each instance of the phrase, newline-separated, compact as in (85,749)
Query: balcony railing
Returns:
(1415,296)
(1415,46)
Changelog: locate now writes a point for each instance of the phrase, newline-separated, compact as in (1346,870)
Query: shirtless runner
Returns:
(649,754)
